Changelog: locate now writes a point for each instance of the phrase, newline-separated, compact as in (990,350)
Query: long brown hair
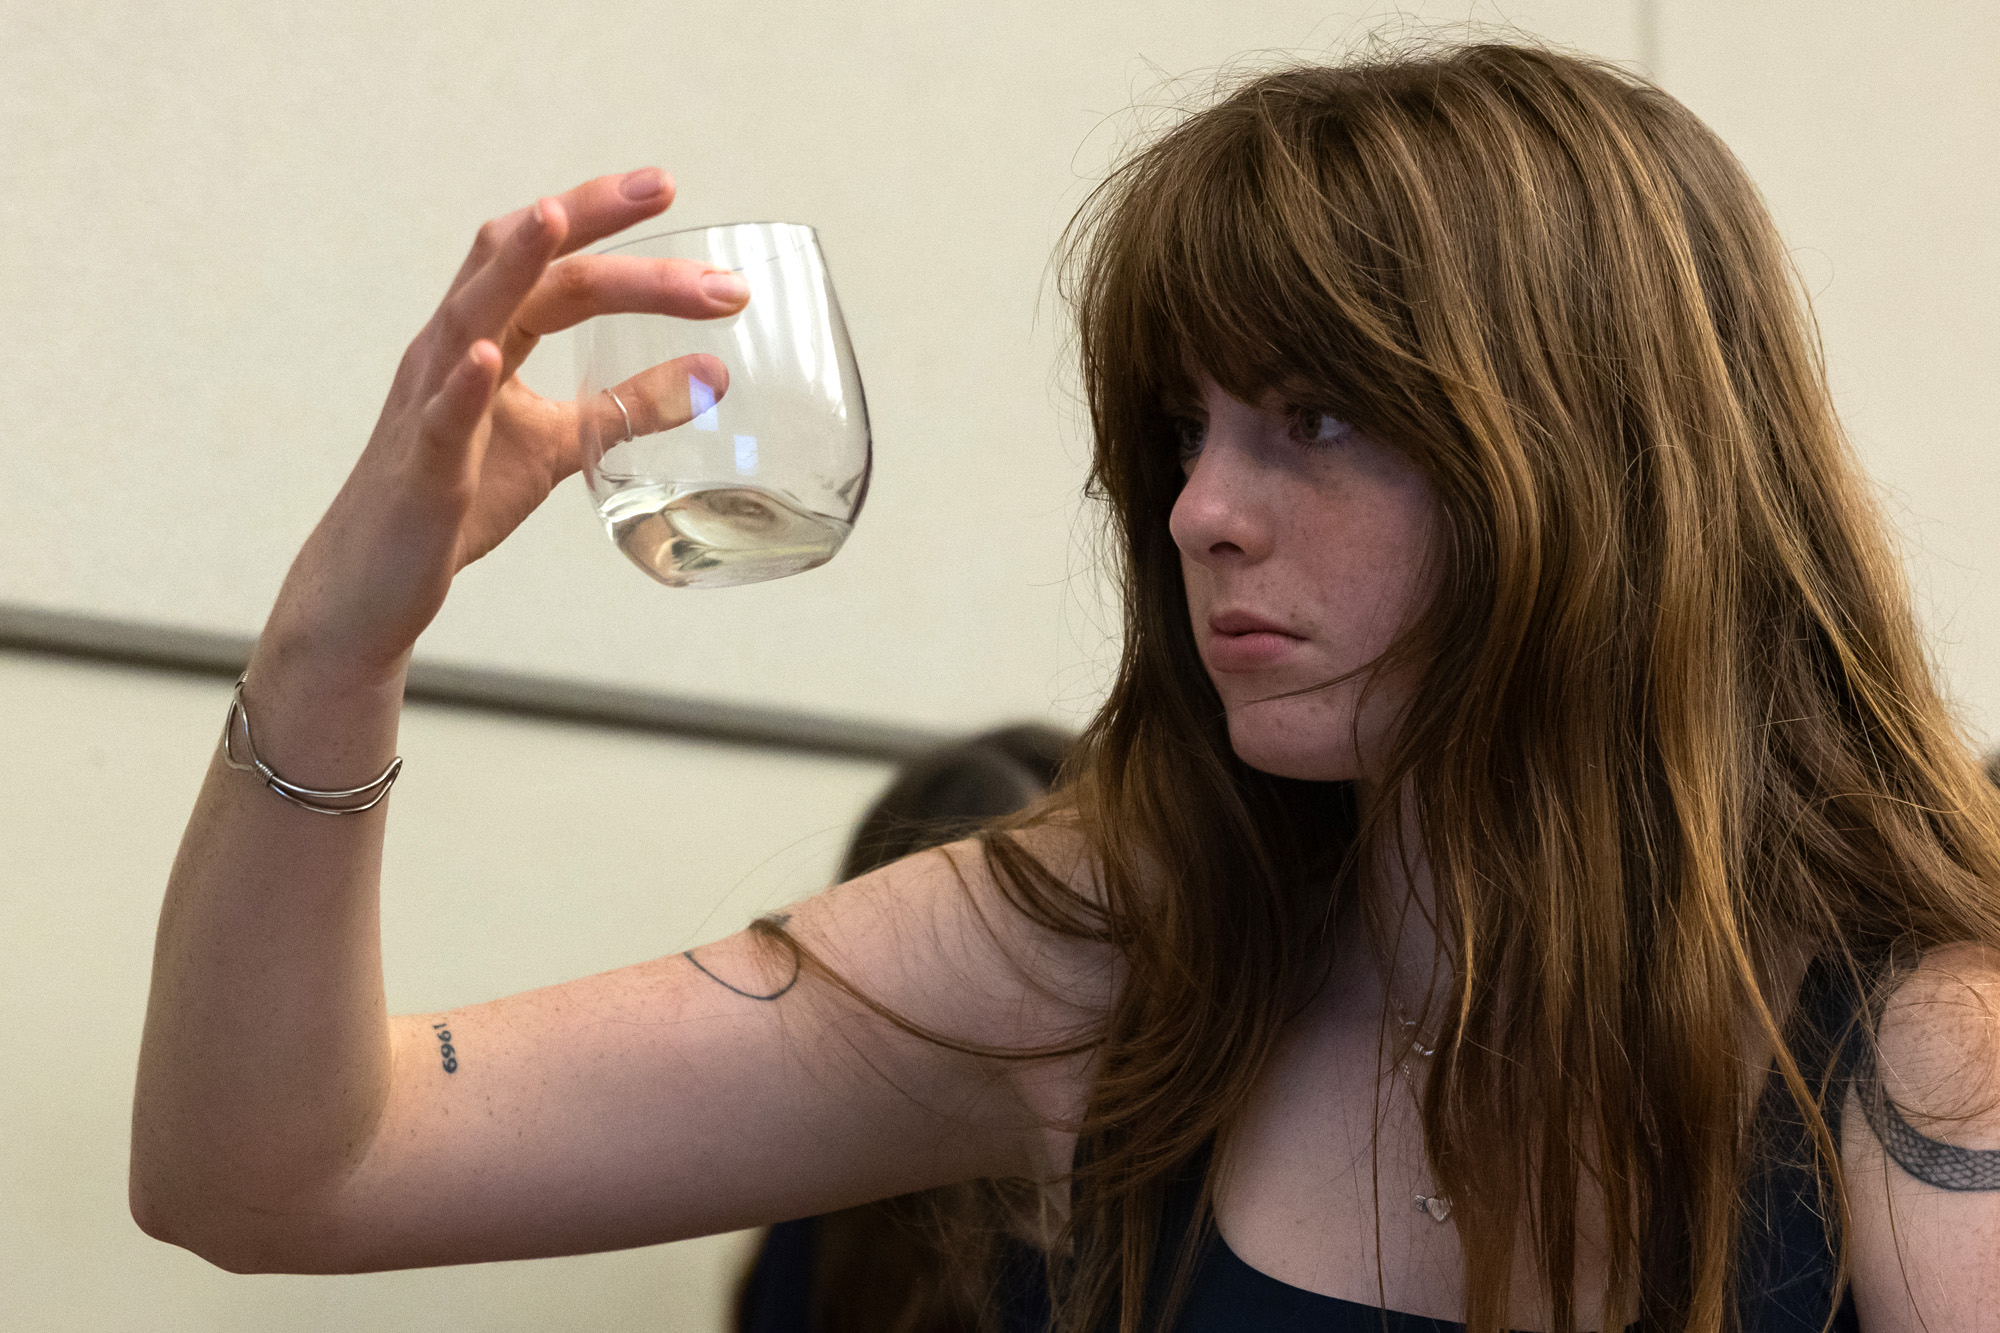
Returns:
(1674,732)
(1675,729)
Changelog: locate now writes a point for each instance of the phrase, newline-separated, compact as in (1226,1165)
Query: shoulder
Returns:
(992,948)
(993,953)
(1938,1045)
(1921,1151)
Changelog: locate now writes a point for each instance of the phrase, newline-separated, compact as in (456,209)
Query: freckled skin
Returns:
(1295,523)
(1324,534)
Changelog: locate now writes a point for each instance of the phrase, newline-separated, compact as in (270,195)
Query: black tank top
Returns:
(1786,1269)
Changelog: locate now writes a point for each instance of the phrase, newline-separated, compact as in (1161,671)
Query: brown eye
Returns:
(1318,428)
(1189,436)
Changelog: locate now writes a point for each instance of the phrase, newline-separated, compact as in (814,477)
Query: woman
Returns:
(1522,800)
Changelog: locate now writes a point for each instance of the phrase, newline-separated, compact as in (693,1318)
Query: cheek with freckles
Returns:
(1294,723)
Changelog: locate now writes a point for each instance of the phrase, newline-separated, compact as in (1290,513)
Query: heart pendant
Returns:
(1439,1209)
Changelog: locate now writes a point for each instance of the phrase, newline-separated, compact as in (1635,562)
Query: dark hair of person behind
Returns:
(931,1262)
(953,791)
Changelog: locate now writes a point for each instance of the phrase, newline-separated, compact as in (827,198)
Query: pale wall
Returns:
(223,221)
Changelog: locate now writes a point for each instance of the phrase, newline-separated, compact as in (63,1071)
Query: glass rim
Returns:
(613,248)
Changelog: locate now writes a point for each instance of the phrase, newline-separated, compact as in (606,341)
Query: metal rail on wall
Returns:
(88,638)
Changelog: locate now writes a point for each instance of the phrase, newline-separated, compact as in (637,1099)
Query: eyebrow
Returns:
(1178,401)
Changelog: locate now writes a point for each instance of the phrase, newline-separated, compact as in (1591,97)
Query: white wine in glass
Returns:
(730,451)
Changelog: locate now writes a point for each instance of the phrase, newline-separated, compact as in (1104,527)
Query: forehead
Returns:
(1196,391)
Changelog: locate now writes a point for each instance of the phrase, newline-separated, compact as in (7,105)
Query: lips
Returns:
(1242,641)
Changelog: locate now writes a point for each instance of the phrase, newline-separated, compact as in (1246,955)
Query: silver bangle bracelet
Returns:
(369,794)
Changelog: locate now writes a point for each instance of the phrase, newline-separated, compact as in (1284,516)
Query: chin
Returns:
(1293,748)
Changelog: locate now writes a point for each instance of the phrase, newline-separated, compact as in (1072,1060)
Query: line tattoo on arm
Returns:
(778,920)
(1933,1161)
(446,1051)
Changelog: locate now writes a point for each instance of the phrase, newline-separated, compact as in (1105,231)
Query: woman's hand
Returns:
(464,451)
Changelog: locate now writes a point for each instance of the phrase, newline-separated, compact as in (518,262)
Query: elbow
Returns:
(208,1196)
(152,1217)
(165,1218)
(155,1205)
(170,1202)
(235,1240)
(182,1195)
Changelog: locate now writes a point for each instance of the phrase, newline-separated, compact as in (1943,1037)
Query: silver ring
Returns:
(621,412)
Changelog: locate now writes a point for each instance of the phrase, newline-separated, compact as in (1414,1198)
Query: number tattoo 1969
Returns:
(445,1050)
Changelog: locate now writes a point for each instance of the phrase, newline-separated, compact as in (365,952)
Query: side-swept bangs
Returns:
(1251,244)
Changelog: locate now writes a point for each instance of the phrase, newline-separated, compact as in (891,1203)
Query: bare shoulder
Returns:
(1939,1045)
(992,949)
(1921,1152)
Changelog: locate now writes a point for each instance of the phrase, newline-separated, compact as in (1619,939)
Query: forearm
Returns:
(266,1071)
(265,1062)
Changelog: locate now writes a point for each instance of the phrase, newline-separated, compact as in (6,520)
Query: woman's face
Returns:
(1303,544)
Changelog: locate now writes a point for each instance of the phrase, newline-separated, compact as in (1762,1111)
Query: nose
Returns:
(1218,517)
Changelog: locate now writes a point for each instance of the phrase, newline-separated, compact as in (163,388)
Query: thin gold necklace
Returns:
(1434,1206)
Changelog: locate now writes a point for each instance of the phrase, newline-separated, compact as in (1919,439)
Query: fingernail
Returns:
(643,183)
(538,217)
(726,287)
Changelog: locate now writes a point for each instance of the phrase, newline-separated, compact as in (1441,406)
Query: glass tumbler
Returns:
(728,451)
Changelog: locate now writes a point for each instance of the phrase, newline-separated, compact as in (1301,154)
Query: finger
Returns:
(485,303)
(608,205)
(670,394)
(453,414)
(589,285)
(596,209)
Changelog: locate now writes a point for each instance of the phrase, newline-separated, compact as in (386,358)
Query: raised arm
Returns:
(284,1121)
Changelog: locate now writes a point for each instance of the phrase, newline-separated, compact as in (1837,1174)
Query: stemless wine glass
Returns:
(728,451)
